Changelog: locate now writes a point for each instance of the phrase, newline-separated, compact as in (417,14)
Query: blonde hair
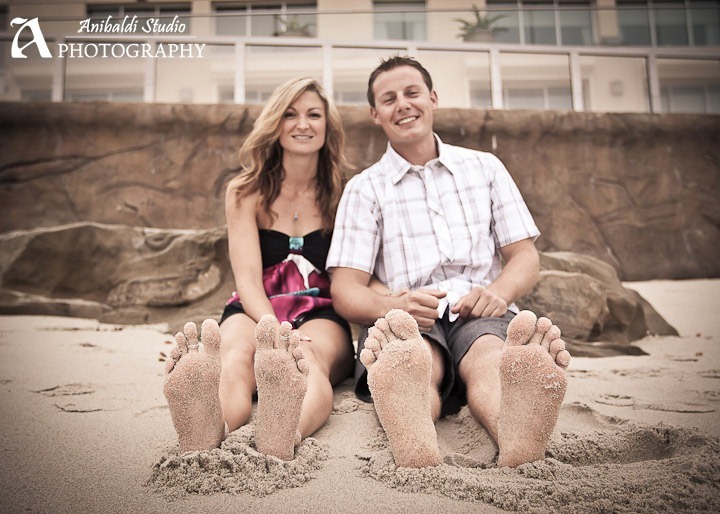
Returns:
(261,153)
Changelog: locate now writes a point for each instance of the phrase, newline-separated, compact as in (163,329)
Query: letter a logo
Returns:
(38,39)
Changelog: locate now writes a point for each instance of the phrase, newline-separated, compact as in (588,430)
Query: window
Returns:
(265,20)
(400,20)
(540,26)
(232,20)
(576,25)
(670,25)
(535,81)
(539,98)
(35,95)
(163,12)
(537,22)
(350,97)
(689,85)
(634,22)
(104,95)
(509,21)
(480,95)
(690,99)
(705,18)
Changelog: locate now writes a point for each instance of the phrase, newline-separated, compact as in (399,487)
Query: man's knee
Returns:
(483,356)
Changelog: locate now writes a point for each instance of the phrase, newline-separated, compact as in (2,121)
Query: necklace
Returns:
(296,206)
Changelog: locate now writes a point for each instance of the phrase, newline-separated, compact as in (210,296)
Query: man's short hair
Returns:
(390,64)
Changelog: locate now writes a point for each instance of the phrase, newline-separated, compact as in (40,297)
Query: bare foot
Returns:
(399,364)
(192,379)
(281,375)
(533,386)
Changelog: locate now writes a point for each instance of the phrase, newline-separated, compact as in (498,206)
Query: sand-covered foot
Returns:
(192,380)
(281,376)
(533,385)
(399,364)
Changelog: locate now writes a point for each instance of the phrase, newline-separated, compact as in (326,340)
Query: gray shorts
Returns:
(454,339)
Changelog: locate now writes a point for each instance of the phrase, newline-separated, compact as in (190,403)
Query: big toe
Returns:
(211,336)
(402,324)
(521,328)
(265,332)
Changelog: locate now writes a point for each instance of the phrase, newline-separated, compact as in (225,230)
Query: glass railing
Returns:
(562,59)
(658,25)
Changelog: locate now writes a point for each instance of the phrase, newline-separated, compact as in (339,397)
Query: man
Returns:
(432,222)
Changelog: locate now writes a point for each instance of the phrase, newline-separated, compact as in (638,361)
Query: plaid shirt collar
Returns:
(394,161)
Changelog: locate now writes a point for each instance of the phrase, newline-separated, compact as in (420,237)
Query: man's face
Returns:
(403,105)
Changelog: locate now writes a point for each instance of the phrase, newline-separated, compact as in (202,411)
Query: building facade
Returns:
(582,55)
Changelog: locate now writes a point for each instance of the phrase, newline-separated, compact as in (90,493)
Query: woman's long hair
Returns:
(261,153)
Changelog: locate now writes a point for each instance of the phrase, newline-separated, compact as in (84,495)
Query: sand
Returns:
(85,428)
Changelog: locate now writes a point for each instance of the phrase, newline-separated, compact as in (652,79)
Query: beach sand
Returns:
(85,428)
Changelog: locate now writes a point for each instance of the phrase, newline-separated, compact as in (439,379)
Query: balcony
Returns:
(625,59)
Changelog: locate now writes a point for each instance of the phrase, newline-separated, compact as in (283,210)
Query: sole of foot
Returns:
(399,363)
(533,385)
(281,376)
(192,379)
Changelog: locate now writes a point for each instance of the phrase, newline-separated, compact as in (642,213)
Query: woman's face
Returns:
(303,126)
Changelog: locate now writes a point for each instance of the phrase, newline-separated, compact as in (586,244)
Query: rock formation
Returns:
(124,274)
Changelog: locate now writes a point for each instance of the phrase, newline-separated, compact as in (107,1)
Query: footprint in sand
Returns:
(281,376)
(66,390)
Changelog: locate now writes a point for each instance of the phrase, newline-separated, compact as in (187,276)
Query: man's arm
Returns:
(519,275)
(358,302)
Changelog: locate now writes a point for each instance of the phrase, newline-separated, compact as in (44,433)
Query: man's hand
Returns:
(480,302)
(421,305)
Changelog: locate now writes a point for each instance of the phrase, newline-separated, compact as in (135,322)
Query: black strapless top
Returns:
(276,246)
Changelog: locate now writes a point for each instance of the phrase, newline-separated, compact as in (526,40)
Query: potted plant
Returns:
(482,29)
(291,27)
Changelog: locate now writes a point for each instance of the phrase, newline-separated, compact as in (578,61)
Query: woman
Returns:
(280,212)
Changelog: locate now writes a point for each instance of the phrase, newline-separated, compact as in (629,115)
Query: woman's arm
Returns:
(245,257)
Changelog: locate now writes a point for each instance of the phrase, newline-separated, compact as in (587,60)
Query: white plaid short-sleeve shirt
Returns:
(394,219)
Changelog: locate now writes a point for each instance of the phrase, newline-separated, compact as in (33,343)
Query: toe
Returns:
(294,341)
(367,357)
(381,331)
(521,328)
(283,341)
(551,335)
(265,332)
(373,345)
(300,360)
(191,333)
(182,342)
(556,347)
(378,336)
(211,336)
(175,355)
(402,324)
(543,325)
(563,359)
